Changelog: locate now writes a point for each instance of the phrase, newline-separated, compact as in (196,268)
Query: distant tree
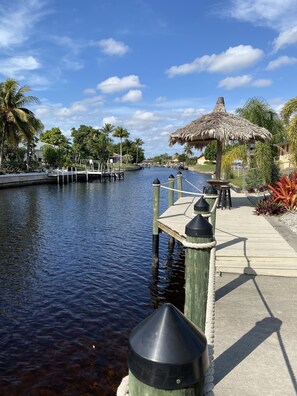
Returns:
(182,158)
(260,113)
(17,122)
(210,152)
(107,129)
(121,133)
(289,114)
(138,143)
(50,155)
(55,137)
(83,142)
(188,150)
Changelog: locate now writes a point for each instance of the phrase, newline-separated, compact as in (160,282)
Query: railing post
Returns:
(156,213)
(179,182)
(167,356)
(201,207)
(170,192)
(198,231)
(210,195)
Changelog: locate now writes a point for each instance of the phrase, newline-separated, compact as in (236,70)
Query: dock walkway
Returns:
(246,243)
(255,325)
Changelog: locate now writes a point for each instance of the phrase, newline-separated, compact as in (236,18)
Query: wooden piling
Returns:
(138,388)
(210,196)
(170,192)
(179,178)
(156,213)
(198,231)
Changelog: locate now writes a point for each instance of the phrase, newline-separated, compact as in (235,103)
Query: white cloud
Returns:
(261,83)
(281,61)
(116,84)
(90,91)
(112,47)
(243,81)
(276,14)
(110,120)
(232,60)
(17,21)
(285,38)
(13,66)
(133,96)
(142,120)
(160,99)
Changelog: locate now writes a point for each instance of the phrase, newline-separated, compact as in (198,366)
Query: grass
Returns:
(207,168)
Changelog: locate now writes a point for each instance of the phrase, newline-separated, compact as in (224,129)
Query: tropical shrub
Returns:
(285,191)
(254,180)
(267,206)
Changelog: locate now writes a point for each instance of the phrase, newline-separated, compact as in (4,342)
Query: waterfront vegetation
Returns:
(21,130)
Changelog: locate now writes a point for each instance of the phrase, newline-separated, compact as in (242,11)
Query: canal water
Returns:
(76,277)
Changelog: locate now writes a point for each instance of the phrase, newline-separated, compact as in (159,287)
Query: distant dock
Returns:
(63,176)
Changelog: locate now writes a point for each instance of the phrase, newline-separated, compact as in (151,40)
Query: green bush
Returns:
(254,179)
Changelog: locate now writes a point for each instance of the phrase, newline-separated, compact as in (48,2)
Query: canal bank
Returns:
(24,179)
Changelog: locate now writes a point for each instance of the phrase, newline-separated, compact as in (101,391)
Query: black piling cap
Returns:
(201,206)
(167,351)
(199,227)
(211,190)
(171,177)
(179,173)
(156,181)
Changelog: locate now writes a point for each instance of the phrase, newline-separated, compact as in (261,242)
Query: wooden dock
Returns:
(246,243)
(64,176)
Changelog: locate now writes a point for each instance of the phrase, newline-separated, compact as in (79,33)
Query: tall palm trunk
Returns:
(2,142)
(121,152)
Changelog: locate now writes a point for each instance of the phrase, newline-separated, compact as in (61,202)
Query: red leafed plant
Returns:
(285,191)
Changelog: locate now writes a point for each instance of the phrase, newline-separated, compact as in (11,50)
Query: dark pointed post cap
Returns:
(156,181)
(179,173)
(210,190)
(167,351)
(201,206)
(171,177)
(199,227)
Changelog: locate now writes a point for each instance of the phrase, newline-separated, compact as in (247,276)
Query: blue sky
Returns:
(150,66)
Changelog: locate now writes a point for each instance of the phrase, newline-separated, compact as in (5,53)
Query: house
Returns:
(284,157)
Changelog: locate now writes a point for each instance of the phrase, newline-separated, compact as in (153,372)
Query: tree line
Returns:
(20,130)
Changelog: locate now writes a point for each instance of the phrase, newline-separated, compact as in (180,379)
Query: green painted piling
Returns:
(210,195)
(170,192)
(179,182)
(138,388)
(198,231)
(156,213)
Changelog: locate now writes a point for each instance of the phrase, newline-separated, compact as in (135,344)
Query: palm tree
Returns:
(138,142)
(289,114)
(17,122)
(188,150)
(260,113)
(121,133)
(107,129)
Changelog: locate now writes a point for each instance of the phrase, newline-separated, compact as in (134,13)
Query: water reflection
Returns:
(75,278)
(168,279)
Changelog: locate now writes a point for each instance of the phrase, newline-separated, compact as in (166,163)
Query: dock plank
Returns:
(247,243)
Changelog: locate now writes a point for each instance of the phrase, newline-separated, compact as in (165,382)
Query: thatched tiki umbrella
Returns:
(222,127)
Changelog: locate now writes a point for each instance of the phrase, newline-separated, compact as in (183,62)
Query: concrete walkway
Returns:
(255,339)
(250,244)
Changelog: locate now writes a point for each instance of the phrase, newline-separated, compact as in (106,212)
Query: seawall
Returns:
(25,179)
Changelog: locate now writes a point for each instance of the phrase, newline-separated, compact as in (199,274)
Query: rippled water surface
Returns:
(75,278)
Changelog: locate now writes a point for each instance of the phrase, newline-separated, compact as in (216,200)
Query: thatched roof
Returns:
(219,125)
